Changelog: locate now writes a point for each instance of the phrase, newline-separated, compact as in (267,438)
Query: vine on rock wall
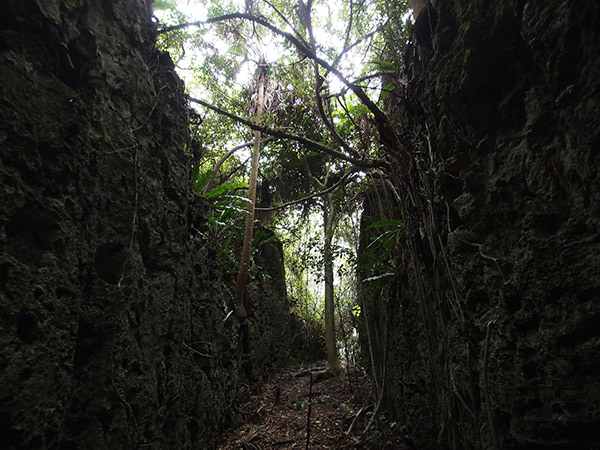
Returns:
(495,280)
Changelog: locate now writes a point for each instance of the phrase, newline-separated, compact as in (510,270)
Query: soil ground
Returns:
(276,418)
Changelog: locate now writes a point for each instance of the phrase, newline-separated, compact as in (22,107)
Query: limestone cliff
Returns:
(112,300)
(491,324)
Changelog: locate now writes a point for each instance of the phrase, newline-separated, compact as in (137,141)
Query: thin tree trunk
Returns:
(240,283)
(333,362)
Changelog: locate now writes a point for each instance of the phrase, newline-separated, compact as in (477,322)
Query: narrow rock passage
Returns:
(276,418)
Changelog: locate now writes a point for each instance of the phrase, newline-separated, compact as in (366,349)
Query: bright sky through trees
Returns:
(327,65)
(328,27)
(329,22)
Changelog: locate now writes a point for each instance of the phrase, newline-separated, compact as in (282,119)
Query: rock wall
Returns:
(112,301)
(488,336)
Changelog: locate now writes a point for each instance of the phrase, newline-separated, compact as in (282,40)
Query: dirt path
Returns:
(276,418)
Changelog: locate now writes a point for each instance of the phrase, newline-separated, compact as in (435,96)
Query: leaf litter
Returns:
(340,408)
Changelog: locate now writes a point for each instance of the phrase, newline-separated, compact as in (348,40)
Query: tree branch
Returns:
(364,164)
(387,133)
(309,197)
(211,183)
(365,141)
(319,81)
(282,16)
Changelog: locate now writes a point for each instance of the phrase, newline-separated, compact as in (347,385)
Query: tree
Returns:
(240,284)
(329,218)
(308,48)
(339,118)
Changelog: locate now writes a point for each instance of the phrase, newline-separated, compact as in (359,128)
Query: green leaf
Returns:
(387,90)
(384,238)
(300,404)
(321,400)
(224,246)
(385,66)
(386,223)
(202,180)
(163,4)
(225,187)
(241,198)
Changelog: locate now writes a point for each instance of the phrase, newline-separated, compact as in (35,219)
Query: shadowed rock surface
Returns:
(112,300)
(491,326)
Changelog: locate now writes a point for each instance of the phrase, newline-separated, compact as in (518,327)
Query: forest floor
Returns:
(341,407)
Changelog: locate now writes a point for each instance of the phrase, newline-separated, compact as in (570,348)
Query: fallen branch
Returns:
(356,416)
(307,372)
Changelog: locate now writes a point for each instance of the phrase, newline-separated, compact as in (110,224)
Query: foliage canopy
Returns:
(331,66)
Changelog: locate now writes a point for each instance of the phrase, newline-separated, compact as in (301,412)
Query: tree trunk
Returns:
(240,283)
(333,362)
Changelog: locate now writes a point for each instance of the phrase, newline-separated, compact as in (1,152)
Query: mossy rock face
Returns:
(489,331)
(112,304)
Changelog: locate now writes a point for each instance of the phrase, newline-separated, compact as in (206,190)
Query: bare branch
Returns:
(211,183)
(362,163)
(341,102)
(282,16)
(360,41)
(319,84)
(309,197)
(387,133)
